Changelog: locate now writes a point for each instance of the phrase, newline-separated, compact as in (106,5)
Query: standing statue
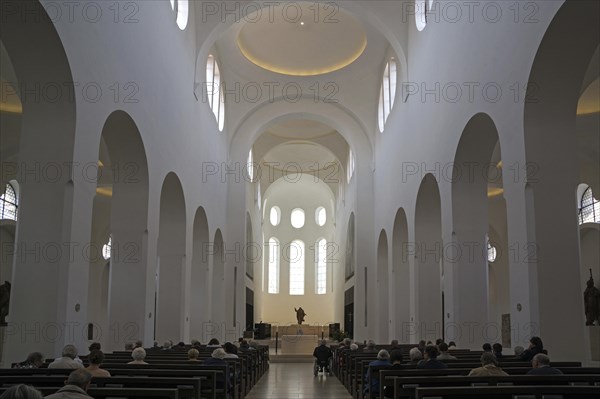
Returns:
(300,315)
(4,302)
(591,298)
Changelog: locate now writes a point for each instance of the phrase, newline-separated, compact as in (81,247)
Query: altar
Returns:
(299,344)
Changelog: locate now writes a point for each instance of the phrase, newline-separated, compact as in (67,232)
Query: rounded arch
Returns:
(555,84)
(401,275)
(383,278)
(199,292)
(218,283)
(119,212)
(170,317)
(428,254)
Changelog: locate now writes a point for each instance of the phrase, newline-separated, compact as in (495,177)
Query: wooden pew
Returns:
(508,392)
(101,393)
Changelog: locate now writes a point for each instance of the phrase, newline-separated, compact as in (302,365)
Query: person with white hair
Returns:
(138,355)
(68,360)
(415,355)
(217,358)
(371,347)
(21,391)
(489,366)
(372,385)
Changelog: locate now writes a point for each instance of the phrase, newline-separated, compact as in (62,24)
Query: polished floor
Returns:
(296,381)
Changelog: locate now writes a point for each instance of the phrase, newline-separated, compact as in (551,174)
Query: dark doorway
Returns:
(349,312)
(249,309)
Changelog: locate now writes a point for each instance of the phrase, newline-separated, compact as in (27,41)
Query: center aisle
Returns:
(296,381)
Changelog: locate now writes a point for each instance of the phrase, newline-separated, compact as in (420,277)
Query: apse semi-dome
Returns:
(302,38)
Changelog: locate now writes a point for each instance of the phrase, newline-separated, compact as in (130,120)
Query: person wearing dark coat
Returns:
(535,346)
(541,366)
(430,359)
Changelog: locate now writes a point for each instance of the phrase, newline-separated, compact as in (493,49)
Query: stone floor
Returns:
(296,380)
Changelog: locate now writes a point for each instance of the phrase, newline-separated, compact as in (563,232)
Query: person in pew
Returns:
(394,345)
(167,346)
(21,391)
(95,346)
(75,387)
(217,358)
(138,355)
(452,345)
(535,346)
(230,351)
(96,358)
(438,342)
(430,359)
(193,355)
(372,383)
(541,366)
(415,355)
(422,346)
(69,359)
(195,343)
(497,350)
(371,347)
(487,347)
(138,344)
(396,359)
(489,366)
(34,360)
(214,343)
(353,347)
(518,350)
(444,354)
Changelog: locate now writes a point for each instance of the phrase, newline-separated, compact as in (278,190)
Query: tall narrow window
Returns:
(297,268)
(387,94)
(214,90)
(250,165)
(589,211)
(321,272)
(107,249)
(181,8)
(297,218)
(321,216)
(350,165)
(273,266)
(275,215)
(491,252)
(9,203)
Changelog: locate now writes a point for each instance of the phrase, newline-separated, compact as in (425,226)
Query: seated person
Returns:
(94,346)
(487,347)
(217,358)
(69,359)
(519,350)
(451,345)
(396,359)
(371,347)
(138,355)
(75,387)
(541,366)
(214,343)
(497,350)
(96,358)
(430,359)
(323,356)
(33,361)
(489,366)
(415,355)
(21,391)
(394,345)
(231,351)
(193,355)
(444,355)
(535,346)
(372,383)
(167,346)
(138,344)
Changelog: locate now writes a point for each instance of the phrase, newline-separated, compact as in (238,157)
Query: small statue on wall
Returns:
(591,298)
(4,302)
(300,315)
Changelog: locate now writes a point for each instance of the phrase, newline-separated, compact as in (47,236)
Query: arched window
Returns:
(9,203)
(258,196)
(275,216)
(181,8)
(321,263)
(273,266)
(387,94)
(214,90)
(250,165)
(491,252)
(297,268)
(107,249)
(321,216)
(420,14)
(350,165)
(589,209)
(297,218)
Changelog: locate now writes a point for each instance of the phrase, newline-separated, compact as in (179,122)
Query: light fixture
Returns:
(302,23)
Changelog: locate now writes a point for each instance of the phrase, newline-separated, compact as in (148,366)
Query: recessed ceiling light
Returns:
(302,23)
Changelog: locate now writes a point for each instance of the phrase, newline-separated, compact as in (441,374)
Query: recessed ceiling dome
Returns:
(299,156)
(304,40)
